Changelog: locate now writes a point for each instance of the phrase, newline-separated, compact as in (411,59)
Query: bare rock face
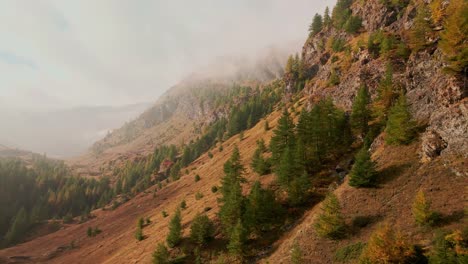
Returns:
(448,132)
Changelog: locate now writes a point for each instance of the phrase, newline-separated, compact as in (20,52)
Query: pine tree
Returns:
(18,228)
(360,115)
(283,137)
(232,199)
(286,169)
(363,173)
(161,255)
(202,229)
(341,13)
(330,222)
(289,64)
(237,240)
(296,254)
(422,210)
(386,95)
(420,29)
(316,26)
(326,17)
(400,127)
(262,211)
(453,39)
(298,189)
(175,230)
(353,24)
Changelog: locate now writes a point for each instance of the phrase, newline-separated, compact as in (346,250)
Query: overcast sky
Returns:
(64,53)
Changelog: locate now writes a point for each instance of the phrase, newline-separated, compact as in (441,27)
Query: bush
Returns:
(349,252)
(334,78)
(353,24)
(183,205)
(139,233)
(201,230)
(214,189)
(198,196)
(164,214)
(210,155)
(338,44)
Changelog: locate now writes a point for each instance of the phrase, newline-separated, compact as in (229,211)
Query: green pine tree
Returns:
(283,137)
(237,240)
(175,230)
(161,255)
(18,228)
(316,26)
(400,127)
(363,173)
(326,17)
(298,189)
(330,223)
(421,27)
(202,229)
(360,115)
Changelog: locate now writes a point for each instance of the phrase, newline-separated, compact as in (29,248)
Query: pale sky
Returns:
(65,53)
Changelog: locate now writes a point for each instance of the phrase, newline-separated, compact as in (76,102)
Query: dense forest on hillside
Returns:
(44,189)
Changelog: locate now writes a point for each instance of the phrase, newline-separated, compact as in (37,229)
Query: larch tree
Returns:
(400,127)
(175,230)
(361,114)
(363,173)
(330,222)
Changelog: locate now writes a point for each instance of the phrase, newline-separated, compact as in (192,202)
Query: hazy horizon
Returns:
(59,55)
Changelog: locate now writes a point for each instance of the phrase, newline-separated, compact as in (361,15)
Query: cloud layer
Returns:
(63,53)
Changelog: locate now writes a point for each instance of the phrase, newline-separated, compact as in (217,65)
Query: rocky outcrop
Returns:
(435,98)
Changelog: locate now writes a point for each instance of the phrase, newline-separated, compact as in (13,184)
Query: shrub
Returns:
(198,196)
(197,178)
(334,78)
(353,24)
(164,214)
(214,189)
(349,252)
(210,155)
(183,205)
(139,233)
(296,254)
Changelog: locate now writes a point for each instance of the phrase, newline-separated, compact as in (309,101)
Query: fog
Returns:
(60,55)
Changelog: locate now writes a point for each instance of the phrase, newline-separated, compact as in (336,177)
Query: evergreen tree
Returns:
(363,173)
(420,29)
(296,254)
(298,189)
(232,200)
(400,127)
(262,210)
(353,24)
(289,64)
(286,170)
(237,240)
(175,230)
(422,210)
(316,26)
(326,17)
(341,13)
(453,39)
(386,95)
(19,227)
(283,137)
(161,255)
(202,229)
(360,115)
(330,222)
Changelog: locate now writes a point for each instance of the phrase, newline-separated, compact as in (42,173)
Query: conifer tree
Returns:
(360,115)
(283,137)
(161,255)
(386,95)
(237,240)
(298,188)
(18,228)
(341,13)
(175,230)
(286,169)
(400,127)
(363,173)
(262,210)
(330,222)
(326,17)
(353,24)
(387,246)
(422,210)
(420,29)
(316,26)
(202,229)
(232,199)
(453,39)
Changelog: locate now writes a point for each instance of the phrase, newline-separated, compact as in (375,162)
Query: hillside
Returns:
(373,112)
